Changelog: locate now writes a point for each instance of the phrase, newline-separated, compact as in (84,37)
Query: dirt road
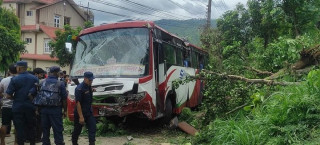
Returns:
(100,140)
(143,132)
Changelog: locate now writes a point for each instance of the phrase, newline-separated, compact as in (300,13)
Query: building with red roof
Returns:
(39,19)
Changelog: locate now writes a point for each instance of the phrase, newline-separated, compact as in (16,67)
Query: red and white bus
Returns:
(135,64)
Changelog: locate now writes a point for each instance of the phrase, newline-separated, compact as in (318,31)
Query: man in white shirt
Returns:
(7,115)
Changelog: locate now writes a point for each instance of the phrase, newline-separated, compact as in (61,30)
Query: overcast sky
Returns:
(156,9)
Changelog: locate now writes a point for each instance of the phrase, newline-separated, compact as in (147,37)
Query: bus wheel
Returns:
(168,111)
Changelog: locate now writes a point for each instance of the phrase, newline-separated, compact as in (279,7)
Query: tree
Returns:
(11,46)
(59,49)
(88,24)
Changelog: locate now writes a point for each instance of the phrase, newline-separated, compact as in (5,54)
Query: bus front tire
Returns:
(168,111)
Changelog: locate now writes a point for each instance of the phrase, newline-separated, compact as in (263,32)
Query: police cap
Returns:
(22,63)
(54,69)
(89,75)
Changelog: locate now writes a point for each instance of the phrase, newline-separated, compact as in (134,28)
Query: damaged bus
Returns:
(134,64)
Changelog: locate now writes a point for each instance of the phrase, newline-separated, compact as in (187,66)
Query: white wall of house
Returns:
(47,64)
(11,6)
(47,15)
(30,20)
(30,47)
(40,45)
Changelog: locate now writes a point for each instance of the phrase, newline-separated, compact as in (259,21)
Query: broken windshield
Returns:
(116,53)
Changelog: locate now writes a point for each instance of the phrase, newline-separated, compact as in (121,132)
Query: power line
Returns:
(135,18)
(131,10)
(132,3)
(125,8)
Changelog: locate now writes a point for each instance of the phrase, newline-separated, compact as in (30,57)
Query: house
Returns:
(39,19)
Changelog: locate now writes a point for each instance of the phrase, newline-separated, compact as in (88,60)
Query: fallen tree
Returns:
(308,58)
(241,78)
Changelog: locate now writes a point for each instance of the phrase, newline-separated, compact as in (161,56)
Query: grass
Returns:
(288,116)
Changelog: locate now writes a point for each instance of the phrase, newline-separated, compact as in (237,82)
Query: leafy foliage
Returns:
(267,35)
(288,116)
(11,46)
(59,48)
(104,128)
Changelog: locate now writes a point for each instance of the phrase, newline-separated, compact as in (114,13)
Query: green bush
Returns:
(288,116)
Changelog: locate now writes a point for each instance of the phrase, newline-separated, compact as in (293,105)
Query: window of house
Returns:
(56,21)
(47,48)
(28,40)
(29,13)
(66,20)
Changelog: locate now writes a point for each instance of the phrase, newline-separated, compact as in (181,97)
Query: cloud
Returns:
(170,9)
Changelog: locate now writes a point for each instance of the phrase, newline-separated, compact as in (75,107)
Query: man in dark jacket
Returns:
(83,112)
(53,90)
(22,108)
(39,73)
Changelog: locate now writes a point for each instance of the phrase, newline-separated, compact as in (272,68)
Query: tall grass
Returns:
(289,116)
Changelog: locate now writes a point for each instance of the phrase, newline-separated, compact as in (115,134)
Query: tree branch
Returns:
(254,81)
(259,71)
(237,108)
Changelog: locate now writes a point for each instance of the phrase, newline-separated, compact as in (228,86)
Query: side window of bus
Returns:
(186,58)
(201,61)
(179,57)
(169,53)
(194,60)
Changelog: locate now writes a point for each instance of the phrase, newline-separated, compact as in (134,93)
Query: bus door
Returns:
(156,49)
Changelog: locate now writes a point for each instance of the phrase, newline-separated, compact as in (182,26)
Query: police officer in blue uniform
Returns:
(51,116)
(83,111)
(23,108)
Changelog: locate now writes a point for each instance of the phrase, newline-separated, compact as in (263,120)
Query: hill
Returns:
(187,29)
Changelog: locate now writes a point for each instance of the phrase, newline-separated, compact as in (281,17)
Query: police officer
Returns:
(39,73)
(83,112)
(51,116)
(22,108)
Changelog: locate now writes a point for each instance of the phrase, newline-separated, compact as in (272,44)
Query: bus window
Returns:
(194,62)
(179,57)
(186,58)
(201,61)
(169,54)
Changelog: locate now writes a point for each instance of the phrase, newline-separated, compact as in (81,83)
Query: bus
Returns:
(134,64)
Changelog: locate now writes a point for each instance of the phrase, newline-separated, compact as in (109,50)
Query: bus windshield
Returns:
(113,53)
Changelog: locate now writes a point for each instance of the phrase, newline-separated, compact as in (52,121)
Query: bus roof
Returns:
(133,24)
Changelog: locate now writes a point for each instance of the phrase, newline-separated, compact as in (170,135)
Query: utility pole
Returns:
(88,12)
(209,15)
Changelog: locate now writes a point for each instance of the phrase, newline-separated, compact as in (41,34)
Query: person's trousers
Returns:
(90,122)
(25,121)
(54,121)
(38,126)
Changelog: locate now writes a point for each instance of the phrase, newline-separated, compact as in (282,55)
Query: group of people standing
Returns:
(36,104)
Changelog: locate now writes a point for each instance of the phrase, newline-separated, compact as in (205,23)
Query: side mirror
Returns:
(69,47)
